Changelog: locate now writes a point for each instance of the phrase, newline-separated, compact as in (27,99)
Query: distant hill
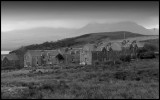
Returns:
(81,40)
(120,26)
(14,39)
(154,30)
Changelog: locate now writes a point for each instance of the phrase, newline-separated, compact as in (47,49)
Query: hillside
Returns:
(81,40)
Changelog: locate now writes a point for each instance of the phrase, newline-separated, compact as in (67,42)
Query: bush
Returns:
(125,58)
(133,56)
(96,63)
(150,47)
(147,55)
(109,62)
(127,75)
(7,68)
(118,62)
(147,51)
(141,50)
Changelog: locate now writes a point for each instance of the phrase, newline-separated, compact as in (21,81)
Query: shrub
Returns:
(125,58)
(150,47)
(54,86)
(109,62)
(133,56)
(18,67)
(118,62)
(126,75)
(121,75)
(7,68)
(147,50)
(96,63)
(141,50)
(147,55)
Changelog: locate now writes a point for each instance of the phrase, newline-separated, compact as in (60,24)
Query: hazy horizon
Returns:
(60,27)
(5,52)
(20,15)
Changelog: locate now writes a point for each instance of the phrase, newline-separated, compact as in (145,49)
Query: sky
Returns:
(19,15)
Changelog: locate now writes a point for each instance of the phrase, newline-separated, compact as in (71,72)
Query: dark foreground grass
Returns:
(135,80)
(116,90)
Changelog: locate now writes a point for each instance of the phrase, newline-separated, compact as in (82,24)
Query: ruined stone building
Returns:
(109,51)
(42,58)
(9,60)
(92,53)
(71,55)
(52,57)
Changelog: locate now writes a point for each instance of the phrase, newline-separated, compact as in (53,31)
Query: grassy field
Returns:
(135,80)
